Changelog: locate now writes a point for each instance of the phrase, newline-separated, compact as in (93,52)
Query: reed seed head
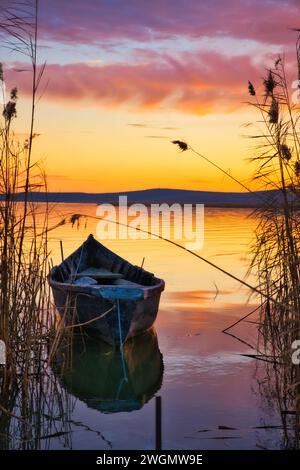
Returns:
(269,84)
(75,219)
(14,94)
(274,112)
(297,168)
(251,89)
(10,110)
(182,145)
(286,152)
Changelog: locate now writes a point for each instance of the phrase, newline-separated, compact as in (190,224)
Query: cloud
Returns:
(60,177)
(142,125)
(136,124)
(157,137)
(94,21)
(197,83)
(188,80)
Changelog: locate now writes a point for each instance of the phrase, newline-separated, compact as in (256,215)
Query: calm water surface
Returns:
(204,381)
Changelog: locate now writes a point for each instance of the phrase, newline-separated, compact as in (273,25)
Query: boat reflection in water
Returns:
(96,374)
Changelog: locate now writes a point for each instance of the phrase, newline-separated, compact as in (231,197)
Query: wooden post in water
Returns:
(158,423)
(61,250)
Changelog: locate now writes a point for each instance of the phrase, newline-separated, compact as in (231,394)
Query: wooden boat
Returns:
(95,373)
(106,294)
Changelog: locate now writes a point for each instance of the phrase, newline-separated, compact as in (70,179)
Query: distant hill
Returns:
(170,196)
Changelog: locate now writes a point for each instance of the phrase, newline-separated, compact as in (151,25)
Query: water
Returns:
(205,383)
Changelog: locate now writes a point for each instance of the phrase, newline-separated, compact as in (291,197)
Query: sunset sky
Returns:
(124,78)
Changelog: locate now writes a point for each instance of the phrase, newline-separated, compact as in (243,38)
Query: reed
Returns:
(24,257)
(30,396)
(276,248)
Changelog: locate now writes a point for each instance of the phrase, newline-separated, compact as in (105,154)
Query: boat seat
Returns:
(98,273)
(125,283)
(85,281)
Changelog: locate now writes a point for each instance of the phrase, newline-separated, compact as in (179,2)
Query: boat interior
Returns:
(94,264)
(101,276)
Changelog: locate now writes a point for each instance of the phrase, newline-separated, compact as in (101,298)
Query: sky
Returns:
(125,78)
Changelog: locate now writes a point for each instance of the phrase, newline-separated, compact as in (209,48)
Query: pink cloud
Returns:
(194,83)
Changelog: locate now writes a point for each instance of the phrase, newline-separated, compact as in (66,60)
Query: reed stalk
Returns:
(30,396)
(276,249)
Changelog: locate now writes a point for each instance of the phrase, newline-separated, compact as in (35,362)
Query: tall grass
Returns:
(29,391)
(276,250)
(24,256)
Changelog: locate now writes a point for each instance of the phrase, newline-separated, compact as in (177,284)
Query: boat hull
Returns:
(136,316)
(121,302)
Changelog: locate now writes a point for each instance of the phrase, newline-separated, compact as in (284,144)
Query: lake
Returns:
(211,394)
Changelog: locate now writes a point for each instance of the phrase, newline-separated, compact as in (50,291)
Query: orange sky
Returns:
(99,151)
(122,82)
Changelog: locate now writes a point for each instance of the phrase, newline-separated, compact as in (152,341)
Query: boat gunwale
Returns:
(95,290)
